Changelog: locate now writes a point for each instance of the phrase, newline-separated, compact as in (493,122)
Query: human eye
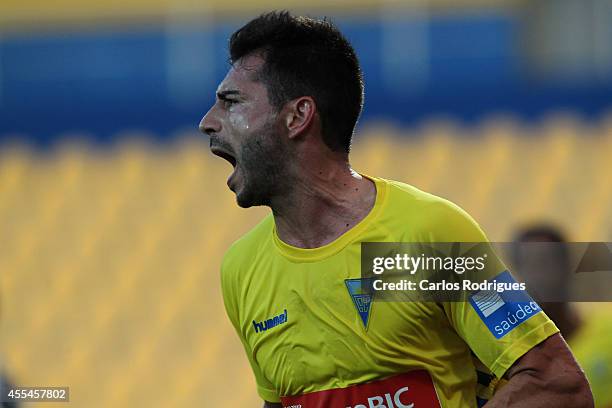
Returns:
(228,102)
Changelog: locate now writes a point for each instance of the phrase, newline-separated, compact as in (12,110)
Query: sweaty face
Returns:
(244,129)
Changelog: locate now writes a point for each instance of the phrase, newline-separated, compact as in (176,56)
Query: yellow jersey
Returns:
(306,337)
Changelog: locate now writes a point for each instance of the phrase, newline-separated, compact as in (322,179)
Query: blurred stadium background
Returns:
(114,216)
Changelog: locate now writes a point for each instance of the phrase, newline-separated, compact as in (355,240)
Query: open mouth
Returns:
(224,154)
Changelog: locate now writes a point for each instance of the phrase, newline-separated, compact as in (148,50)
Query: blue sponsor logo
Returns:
(502,312)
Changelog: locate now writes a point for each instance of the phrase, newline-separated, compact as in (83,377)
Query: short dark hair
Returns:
(306,57)
(544,233)
(541,233)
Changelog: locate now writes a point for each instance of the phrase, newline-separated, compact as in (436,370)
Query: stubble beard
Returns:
(265,161)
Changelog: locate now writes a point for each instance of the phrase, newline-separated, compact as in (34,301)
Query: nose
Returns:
(209,123)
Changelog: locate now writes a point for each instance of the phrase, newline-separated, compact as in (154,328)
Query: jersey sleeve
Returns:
(499,327)
(230,291)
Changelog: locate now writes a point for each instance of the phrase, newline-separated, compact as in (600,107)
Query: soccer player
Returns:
(588,334)
(284,117)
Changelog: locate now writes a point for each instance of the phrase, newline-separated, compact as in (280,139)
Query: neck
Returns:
(324,202)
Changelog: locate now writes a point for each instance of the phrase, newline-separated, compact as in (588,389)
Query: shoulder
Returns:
(411,195)
(247,247)
(439,218)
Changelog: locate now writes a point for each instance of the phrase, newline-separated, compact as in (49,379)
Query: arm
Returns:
(546,376)
(272,405)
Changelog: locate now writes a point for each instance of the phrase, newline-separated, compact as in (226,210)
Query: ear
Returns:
(299,115)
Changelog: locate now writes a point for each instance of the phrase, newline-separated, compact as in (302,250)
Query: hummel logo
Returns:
(270,323)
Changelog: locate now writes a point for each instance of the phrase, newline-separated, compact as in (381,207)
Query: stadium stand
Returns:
(113,222)
(16,14)
(110,257)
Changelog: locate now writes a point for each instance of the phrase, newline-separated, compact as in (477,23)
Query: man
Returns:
(284,118)
(587,333)
(547,269)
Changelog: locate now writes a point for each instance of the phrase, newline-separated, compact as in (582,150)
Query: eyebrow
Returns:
(224,94)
